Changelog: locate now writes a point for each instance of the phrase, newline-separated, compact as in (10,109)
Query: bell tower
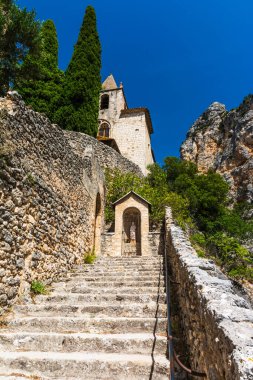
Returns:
(125,129)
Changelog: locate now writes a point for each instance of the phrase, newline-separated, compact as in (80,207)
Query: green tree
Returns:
(19,35)
(42,89)
(174,166)
(79,104)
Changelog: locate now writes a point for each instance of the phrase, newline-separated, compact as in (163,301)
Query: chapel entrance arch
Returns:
(97,227)
(131,234)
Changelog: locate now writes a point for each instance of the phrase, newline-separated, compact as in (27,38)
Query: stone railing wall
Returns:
(217,320)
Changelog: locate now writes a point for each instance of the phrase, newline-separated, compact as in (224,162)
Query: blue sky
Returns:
(173,56)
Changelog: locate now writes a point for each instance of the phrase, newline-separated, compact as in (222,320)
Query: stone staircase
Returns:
(104,321)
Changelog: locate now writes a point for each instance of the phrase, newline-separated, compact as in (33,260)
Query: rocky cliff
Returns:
(223,141)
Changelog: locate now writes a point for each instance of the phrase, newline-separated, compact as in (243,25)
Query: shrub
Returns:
(242,272)
(231,253)
(38,287)
(89,258)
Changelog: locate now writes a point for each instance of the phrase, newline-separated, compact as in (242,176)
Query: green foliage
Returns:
(42,89)
(38,287)
(117,185)
(89,258)
(153,188)
(242,272)
(235,259)
(174,167)
(198,241)
(233,223)
(79,103)
(207,196)
(19,34)
(198,203)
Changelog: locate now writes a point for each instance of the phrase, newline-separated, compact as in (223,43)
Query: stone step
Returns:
(109,343)
(88,366)
(113,325)
(124,264)
(124,289)
(117,298)
(89,311)
(114,284)
(126,272)
(143,257)
(136,259)
(113,276)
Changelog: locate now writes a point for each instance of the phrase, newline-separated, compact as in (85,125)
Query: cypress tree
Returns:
(79,104)
(42,89)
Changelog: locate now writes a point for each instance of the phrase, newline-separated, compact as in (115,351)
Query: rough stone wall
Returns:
(155,242)
(108,244)
(217,321)
(47,200)
(104,155)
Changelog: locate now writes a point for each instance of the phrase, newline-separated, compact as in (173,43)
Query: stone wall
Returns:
(47,200)
(49,183)
(105,156)
(133,139)
(156,242)
(217,320)
(154,245)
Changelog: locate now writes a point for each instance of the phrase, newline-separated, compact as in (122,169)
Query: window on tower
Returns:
(104,104)
(104,130)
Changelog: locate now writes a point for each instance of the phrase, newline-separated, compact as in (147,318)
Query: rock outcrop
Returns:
(223,141)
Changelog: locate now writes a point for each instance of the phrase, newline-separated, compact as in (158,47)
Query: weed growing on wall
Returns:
(38,287)
(89,258)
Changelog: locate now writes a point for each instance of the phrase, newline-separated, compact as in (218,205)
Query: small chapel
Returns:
(127,130)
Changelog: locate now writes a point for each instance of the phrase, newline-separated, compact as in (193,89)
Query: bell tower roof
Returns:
(109,83)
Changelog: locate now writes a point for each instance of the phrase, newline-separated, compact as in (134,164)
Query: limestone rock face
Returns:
(223,141)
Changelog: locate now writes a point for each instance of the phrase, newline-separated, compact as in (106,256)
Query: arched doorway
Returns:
(97,229)
(131,234)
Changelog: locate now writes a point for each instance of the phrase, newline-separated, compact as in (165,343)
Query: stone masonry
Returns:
(216,319)
(49,183)
(131,128)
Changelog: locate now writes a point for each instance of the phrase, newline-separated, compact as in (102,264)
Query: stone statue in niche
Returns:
(133,234)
